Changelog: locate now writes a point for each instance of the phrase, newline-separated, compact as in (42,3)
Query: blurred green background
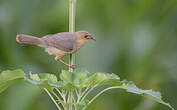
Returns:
(136,39)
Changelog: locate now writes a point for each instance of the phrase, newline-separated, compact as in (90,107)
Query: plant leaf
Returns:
(99,79)
(72,80)
(81,78)
(156,96)
(43,80)
(8,78)
(66,77)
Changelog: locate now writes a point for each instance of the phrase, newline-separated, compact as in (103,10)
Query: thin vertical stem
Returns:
(72,13)
(70,101)
(52,99)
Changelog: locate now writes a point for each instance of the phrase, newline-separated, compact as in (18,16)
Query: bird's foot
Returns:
(72,66)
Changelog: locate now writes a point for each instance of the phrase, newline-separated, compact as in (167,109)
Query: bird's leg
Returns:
(69,65)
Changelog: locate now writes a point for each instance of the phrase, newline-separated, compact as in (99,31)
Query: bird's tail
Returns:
(27,39)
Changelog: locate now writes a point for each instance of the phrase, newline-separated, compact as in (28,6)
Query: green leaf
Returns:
(43,80)
(48,77)
(78,79)
(81,78)
(8,78)
(156,96)
(99,79)
(66,77)
(72,80)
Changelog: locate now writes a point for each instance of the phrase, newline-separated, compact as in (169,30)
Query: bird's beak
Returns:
(92,38)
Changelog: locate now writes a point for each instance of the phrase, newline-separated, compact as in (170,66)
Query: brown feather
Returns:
(27,39)
(65,41)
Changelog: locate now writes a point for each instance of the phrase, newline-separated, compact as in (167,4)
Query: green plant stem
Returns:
(72,14)
(79,96)
(59,99)
(52,99)
(62,95)
(86,92)
(71,105)
(67,102)
(74,101)
(114,87)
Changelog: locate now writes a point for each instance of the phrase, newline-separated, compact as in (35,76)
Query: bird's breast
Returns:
(55,51)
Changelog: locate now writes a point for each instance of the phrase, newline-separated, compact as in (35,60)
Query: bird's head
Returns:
(84,36)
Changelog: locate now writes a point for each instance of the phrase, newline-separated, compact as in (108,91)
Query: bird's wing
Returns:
(65,41)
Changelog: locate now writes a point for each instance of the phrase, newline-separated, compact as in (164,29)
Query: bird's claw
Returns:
(72,66)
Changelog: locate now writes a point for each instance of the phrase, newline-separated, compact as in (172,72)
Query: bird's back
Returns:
(65,41)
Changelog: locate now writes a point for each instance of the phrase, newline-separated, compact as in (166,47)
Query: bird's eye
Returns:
(86,36)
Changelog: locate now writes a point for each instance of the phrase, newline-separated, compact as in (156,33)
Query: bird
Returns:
(59,44)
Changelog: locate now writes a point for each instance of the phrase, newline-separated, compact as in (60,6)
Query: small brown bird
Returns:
(59,44)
